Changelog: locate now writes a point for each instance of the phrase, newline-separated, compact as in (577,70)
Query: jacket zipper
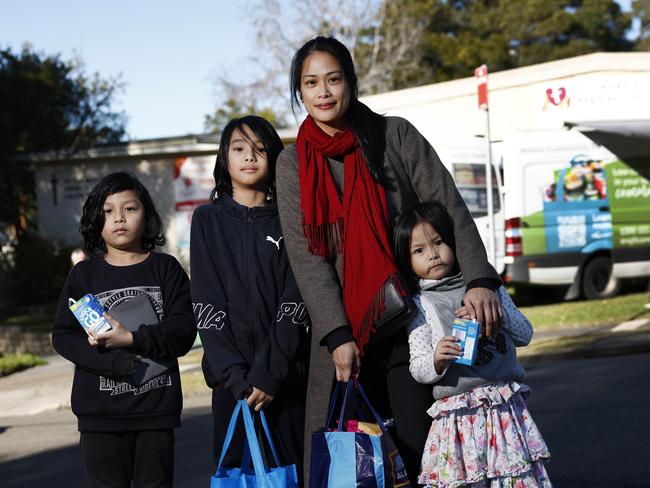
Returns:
(249,288)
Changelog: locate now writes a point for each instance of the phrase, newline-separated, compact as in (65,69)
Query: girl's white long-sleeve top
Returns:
(496,358)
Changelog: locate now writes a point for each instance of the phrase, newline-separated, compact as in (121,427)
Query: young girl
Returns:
(250,316)
(482,433)
(126,429)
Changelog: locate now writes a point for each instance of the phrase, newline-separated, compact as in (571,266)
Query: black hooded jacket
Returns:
(248,310)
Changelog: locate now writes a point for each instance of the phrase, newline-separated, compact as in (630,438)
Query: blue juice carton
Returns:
(90,314)
(467,331)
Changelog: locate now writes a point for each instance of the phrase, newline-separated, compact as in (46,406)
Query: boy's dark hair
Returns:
(264,132)
(433,213)
(370,127)
(92,218)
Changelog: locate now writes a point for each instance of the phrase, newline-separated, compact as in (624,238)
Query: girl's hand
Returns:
(118,336)
(258,399)
(463,313)
(347,361)
(483,304)
(446,351)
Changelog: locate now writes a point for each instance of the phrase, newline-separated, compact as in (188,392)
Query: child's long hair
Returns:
(433,213)
(267,136)
(92,218)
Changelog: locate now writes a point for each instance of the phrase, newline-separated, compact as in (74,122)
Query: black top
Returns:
(102,399)
(249,312)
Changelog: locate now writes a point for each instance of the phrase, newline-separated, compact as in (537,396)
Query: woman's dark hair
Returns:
(92,218)
(433,213)
(369,126)
(267,136)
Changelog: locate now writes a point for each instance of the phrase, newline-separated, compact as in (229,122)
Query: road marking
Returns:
(631,325)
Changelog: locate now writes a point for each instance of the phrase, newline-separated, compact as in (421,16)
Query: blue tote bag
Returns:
(341,459)
(260,476)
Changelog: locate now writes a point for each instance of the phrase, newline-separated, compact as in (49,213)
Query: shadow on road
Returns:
(62,467)
(593,415)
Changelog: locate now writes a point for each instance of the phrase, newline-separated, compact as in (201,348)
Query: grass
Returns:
(12,363)
(588,313)
(193,383)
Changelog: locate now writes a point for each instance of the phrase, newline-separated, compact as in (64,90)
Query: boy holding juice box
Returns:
(127,429)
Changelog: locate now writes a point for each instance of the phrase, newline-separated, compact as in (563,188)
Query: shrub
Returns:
(12,363)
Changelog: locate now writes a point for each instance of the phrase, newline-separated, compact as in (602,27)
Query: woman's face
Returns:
(324,91)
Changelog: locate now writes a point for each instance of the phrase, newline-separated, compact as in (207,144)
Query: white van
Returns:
(575,214)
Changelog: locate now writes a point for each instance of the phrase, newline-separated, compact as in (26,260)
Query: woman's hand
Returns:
(118,336)
(446,351)
(347,360)
(483,306)
(258,399)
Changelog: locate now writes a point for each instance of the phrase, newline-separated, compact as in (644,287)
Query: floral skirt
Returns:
(484,438)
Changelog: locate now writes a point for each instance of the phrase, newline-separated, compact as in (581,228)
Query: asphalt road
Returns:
(593,414)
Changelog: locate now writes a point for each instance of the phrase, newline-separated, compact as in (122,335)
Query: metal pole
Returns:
(492,252)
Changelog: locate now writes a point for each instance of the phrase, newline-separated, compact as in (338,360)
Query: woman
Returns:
(349,174)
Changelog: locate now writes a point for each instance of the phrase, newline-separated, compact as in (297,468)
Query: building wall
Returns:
(595,87)
(59,217)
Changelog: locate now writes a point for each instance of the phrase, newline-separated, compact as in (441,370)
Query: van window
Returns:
(470,181)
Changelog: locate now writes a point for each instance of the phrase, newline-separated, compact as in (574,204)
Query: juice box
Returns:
(89,312)
(467,331)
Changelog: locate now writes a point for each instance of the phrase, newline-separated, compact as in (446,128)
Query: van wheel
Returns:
(597,279)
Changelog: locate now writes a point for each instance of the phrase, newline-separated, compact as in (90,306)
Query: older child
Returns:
(127,430)
(250,315)
(482,433)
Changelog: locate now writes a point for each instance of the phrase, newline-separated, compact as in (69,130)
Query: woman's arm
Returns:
(316,277)
(431,181)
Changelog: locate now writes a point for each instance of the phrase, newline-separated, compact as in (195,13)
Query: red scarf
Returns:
(357,227)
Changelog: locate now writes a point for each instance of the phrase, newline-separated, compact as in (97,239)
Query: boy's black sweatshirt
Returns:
(101,398)
(248,310)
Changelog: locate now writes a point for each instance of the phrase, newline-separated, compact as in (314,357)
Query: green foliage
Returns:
(47,103)
(233,108)
(13,363)
(505,34)
(641,12)
(39,269)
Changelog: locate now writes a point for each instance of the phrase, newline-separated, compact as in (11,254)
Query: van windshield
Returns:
(470,181)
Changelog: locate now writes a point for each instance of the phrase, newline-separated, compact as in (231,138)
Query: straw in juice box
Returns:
(90,314)
(467,332)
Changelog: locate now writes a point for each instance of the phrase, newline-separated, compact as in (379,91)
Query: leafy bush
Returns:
(39,270)
(12,363)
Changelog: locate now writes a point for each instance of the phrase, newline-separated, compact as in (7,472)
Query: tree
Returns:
(233,107)
(401,43)
(641,12)
(380,48)
(47,103)
(463,34)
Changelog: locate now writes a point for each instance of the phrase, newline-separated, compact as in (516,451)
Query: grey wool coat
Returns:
(413,173)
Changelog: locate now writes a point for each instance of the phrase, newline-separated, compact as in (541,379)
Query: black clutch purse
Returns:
(398,312)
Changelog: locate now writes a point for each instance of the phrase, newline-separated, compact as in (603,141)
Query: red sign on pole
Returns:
(481,75)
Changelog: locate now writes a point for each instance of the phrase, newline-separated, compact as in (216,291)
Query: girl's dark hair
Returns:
(433,213)
(264,132)
(370,127)
(92,218)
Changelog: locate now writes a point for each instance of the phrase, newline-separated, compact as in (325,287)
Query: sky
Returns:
(167,52)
